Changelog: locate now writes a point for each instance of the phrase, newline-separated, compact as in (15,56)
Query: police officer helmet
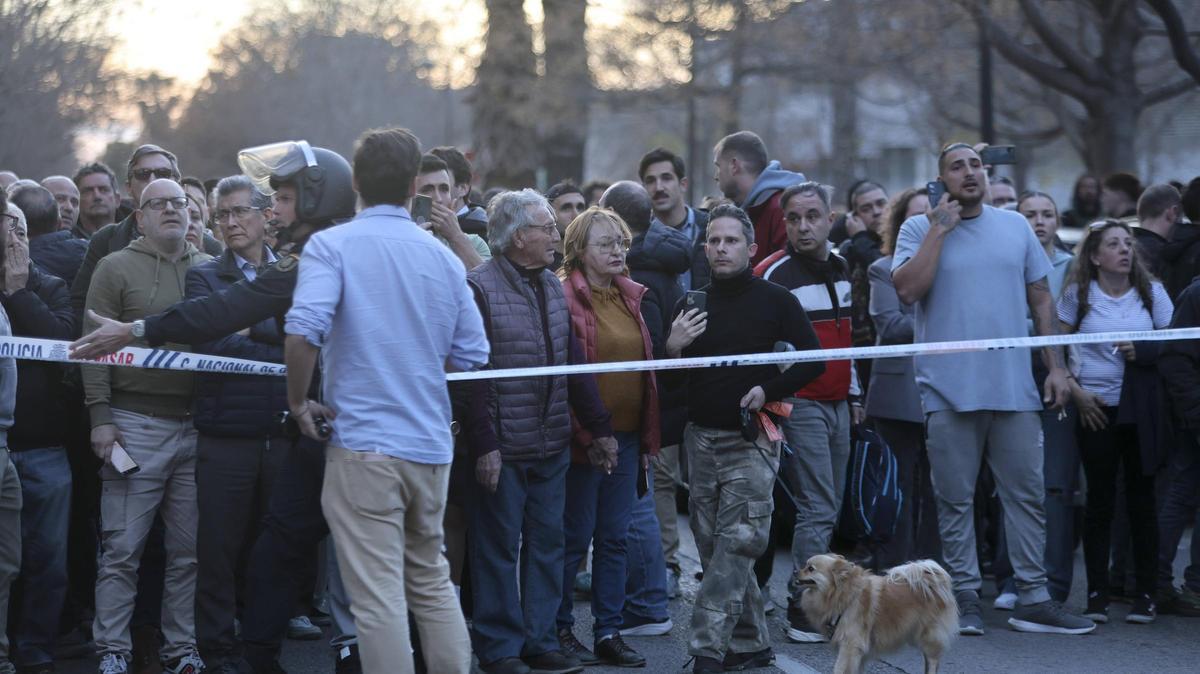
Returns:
(323,179)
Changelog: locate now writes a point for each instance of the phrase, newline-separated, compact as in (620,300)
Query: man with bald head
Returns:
(55,250)
(67,195)
(148,413)
(8,178)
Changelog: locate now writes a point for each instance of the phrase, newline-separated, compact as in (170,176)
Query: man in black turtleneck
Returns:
(732,478)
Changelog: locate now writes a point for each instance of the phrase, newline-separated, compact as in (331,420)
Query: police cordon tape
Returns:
(57,351)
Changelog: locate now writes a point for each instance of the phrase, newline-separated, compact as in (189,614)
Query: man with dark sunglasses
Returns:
(147,164)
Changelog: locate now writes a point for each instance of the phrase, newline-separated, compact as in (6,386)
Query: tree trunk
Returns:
(566,89)
(1110,136)
(845,135)
(505,99)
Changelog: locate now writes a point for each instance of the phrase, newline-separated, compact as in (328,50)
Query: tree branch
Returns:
(1075,61)
(1166,93)
(1177,35)
(1046,73)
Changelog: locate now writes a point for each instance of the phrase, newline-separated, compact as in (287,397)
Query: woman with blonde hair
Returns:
(1121,405)
(605,308)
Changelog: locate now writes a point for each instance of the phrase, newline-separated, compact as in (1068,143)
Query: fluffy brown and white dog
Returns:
(866,616)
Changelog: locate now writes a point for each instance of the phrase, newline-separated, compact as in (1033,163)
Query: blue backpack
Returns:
(871,506)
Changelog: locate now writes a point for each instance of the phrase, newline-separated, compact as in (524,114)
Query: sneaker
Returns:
(613,650)
(736,662)
(1049,617)
(1007,601)
(506,666)
(637,626)
(346,660)
(301,628)
(583,585)
(570,645)
(113,663)
(320,618)
(970,615)
(1181,601)
(1097,608)
(672,584)
(554,662)
(1143,611)
(188,663)
(799,630)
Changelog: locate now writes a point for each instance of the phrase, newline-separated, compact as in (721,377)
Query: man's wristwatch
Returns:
(139,329)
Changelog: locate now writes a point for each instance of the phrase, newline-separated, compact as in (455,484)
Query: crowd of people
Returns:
(176,521)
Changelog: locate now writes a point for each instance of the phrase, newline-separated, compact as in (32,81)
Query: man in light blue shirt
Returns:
(388,308)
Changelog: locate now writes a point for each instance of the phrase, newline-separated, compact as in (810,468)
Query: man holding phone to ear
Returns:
(732,477)
(973,271)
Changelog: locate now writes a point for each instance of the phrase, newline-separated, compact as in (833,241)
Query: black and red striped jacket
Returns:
(823,288)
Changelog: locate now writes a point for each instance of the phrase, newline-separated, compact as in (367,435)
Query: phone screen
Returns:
(422,206)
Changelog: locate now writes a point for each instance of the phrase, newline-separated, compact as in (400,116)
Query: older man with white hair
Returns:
(519,431)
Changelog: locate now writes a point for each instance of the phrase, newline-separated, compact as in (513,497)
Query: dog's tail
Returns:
(927,577)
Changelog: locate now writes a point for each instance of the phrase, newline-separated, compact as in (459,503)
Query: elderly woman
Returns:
(606,320)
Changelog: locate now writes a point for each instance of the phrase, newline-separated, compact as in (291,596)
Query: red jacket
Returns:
(583,325)
(770,232)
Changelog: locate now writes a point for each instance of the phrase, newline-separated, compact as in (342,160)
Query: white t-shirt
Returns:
(1100,370)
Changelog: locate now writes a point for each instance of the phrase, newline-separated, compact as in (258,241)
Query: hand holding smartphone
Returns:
(696,299)
(122,462)
(422,207)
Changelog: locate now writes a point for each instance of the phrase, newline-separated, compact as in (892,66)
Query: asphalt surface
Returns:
(1172,644)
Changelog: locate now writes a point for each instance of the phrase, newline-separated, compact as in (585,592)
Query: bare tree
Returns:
(1092,51)
(505,98)
(566,88)
(52,80)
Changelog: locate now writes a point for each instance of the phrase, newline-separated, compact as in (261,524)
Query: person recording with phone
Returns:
(973,271)
(733,468)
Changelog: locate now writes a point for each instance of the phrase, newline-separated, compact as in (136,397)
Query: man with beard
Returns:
(1085,203)
(973,271)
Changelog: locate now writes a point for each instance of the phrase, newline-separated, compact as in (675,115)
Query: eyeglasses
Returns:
(1101,224)
(612,245)
(240,213)
(9,221)
(548,229)
(160,203)
(145,173)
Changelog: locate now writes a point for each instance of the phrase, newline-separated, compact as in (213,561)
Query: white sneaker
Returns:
(301,628)
(1007,601)
(113,663)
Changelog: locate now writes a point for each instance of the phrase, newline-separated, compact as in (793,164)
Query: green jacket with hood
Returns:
(130,284)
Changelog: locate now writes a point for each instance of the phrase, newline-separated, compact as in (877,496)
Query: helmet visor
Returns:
(276,160)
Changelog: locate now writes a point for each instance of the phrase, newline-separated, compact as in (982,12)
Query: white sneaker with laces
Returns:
(301,628)
(113,663)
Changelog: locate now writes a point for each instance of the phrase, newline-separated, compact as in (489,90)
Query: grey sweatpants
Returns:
(956,444)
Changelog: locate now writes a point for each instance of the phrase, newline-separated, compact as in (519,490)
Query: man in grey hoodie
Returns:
(148,414)
(745,176)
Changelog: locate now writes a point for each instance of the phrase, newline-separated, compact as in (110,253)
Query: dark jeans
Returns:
(234,477)
(646,585)
(293,527)
(916,535)
(83,528)
(1102,452)
(597,509)
(517,533)
(38,593)
(1179,510)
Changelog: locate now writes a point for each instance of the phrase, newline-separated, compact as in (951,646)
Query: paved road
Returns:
(1172,644)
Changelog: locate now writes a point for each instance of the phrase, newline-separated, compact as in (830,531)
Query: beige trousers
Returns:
(385,515)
